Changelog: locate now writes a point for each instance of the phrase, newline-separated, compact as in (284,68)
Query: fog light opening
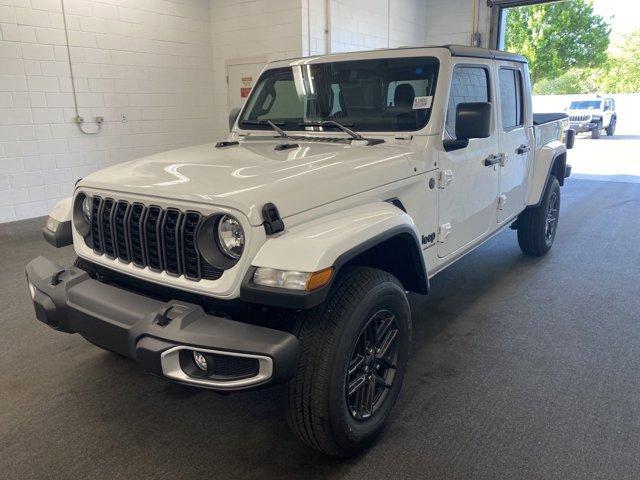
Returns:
(200,361)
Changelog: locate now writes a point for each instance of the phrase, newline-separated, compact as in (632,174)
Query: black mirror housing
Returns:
(233,116)
(473,120)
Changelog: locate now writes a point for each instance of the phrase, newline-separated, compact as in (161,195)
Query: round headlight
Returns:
(86,209)
(230,236)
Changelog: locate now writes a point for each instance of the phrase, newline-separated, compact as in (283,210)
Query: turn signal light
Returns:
(319,279)
(291,279)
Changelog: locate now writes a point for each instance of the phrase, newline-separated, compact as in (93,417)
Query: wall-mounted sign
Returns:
(247,83)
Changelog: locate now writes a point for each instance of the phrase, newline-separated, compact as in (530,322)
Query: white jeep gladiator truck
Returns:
(286,252)
(593,115)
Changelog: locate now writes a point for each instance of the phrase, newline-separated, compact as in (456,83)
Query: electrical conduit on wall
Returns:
(78,119)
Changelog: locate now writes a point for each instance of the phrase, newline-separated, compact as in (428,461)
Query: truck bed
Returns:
(548,127)
(542,118)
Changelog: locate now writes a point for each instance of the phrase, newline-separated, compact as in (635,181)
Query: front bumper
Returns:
(160,335)
(581,127)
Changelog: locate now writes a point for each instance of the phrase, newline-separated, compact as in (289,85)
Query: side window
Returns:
(468,84)
(510,98)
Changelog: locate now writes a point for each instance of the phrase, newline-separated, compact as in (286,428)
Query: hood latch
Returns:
(272,221)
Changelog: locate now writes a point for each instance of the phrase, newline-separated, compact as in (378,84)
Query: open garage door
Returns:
(498,17)
(584,59)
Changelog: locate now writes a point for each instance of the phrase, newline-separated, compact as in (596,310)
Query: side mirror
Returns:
(607,107)
(233,116)
(473,120)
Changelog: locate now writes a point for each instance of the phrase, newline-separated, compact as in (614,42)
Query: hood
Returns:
(247,176)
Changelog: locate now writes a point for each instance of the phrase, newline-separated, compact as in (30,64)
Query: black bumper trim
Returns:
(136,326)
(62,237)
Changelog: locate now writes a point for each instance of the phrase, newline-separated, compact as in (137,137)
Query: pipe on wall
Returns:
(327,23)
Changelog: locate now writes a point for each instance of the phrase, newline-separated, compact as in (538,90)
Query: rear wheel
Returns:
(353,359)
(595,133)
(611,129)
(537,226)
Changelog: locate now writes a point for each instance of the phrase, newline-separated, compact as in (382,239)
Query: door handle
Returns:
(492,160)
(522,149)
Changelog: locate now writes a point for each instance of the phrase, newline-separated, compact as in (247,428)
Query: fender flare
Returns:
(335,240)
(551,158)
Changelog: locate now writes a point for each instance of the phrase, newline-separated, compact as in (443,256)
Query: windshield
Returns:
(586,105)
(392,94)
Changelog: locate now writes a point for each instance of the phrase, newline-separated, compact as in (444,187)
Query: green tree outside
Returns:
(563,41)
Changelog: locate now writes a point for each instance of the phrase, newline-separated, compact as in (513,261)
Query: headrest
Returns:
(404,96)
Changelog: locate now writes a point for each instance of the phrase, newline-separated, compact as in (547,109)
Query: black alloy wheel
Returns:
(372,365)
(553,211)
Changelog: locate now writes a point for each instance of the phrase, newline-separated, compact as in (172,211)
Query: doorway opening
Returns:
(584,59)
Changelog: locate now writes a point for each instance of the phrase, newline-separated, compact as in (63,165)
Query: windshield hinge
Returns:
(445,177)
(272,221)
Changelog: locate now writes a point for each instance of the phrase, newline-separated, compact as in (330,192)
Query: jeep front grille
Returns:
(580,118)
(164,240)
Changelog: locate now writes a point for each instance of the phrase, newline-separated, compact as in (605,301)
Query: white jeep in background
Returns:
(285,252)
(593,115)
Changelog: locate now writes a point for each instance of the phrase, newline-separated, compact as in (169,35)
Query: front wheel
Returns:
(611,129)
(537,226)
(354,351)
(595,133)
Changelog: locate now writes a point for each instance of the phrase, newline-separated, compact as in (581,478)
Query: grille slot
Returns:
(107,230)
(191,258)
(152,237)
(96,243)
(171,241)
(136,238)
(149,236)
(120,231)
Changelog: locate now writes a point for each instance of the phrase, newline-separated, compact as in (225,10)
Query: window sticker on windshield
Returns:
(422,102)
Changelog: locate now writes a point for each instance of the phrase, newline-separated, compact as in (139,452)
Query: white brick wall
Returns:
(452,21)
(149,59)
(369,24)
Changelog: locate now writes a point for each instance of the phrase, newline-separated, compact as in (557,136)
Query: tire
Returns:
(595,133)
(537,226)
(333,337)
(611,129)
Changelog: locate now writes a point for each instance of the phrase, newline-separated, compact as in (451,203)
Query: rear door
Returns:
(515,138)
(467,188)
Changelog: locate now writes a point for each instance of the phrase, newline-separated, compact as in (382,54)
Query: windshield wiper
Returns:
(273,125)
(332,123)
(351,133)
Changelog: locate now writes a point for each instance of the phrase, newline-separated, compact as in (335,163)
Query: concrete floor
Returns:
(521,368)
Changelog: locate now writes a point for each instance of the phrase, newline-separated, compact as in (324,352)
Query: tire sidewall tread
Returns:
(316,403)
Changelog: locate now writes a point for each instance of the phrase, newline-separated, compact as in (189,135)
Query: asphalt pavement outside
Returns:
(521,368)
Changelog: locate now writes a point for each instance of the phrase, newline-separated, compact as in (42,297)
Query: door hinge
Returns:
(443,232)
(502,201)
(445,177)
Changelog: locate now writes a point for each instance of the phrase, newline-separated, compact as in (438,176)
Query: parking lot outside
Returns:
(613,158)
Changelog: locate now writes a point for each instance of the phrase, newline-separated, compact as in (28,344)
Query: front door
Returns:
(467,189)
(516,141)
